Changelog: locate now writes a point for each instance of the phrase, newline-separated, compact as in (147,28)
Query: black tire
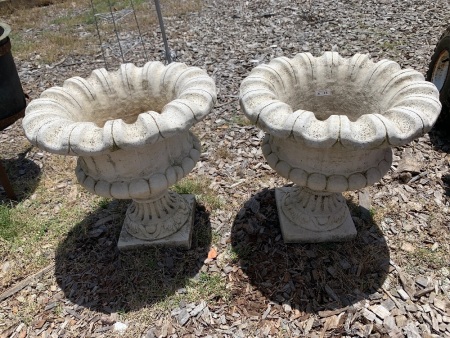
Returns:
(439,73)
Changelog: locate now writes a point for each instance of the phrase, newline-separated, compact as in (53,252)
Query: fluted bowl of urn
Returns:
(129,129)
(330,124)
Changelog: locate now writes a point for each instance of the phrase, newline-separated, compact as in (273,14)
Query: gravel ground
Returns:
(392,280)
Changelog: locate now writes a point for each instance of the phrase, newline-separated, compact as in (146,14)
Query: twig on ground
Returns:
(16,288)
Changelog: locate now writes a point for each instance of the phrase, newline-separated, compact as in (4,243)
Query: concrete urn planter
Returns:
(130,131)
(330,123)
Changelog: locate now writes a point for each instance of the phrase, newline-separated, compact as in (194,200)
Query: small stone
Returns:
(426,317)
(119,327)
(395,293)
(287,308)
(434,322)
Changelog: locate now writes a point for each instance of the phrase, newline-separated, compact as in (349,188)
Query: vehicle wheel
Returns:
(439,72)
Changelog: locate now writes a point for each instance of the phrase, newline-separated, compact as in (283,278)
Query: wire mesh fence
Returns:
(122,30)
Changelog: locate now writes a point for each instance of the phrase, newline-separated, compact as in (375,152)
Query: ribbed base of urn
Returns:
(307,216)
(158,218)
(182,221)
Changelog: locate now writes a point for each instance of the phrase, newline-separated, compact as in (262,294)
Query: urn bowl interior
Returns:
(341,99)
(126,108)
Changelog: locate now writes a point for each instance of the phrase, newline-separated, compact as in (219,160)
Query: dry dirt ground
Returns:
(61,274)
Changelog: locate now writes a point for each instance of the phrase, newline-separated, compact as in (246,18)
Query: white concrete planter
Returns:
(330,123)
(130,131)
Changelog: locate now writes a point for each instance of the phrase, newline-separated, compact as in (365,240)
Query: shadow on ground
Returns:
(440,134)
(309,277)
(23,174)
(446,181)
(93,273)
(440,138)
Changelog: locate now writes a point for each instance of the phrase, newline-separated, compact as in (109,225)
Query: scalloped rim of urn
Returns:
(56,121)
(409,107)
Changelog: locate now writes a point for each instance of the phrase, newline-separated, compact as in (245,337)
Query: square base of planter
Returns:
(292,233)
(180,239)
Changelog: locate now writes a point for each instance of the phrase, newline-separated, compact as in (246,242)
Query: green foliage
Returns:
(200,188)
(435,259)
(208,285)
(241,120)
(104,202)
(240,252)
(8,225)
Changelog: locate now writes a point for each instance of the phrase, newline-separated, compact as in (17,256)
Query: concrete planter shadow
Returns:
(23,173)
(308,277)
(93,273)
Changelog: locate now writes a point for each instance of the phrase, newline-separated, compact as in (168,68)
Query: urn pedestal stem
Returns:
(167,220)
(156,218)
(308,216)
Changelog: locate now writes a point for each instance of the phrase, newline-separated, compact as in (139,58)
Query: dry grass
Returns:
(32,228)
(200,187)
(48,30)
